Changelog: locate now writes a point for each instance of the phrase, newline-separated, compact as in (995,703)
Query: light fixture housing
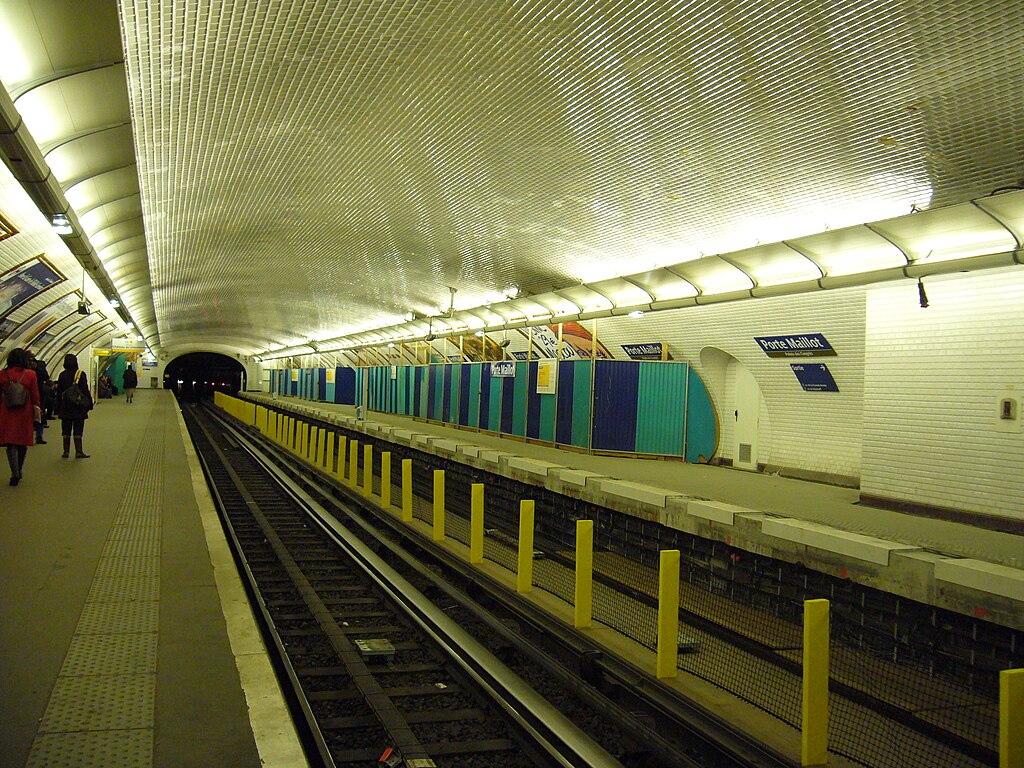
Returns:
(637,313)
(62,224)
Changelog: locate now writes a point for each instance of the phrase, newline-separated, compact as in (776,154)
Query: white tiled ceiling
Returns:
(313,168)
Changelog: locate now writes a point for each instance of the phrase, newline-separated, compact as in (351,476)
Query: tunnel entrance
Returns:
(198,375)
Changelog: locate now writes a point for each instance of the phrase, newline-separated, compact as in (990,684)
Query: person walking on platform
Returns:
(74,402)
(130,380)
(18,407)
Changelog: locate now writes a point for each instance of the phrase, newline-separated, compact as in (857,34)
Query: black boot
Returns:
(15,463)
(79,453)
(67,447)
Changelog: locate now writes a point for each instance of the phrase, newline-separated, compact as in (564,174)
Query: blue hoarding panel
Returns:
(615,393)
(563,427)
(485,397)
(465,388)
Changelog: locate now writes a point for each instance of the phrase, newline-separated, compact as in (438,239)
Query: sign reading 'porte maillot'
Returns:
(796,345)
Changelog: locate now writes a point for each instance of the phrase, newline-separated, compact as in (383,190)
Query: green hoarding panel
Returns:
(547,418)
(494,408)
(453,414)
(661,408)
(583,371)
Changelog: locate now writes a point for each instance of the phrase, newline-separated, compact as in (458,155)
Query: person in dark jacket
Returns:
(16,431)
(129,380)
(72,417)
(43,381)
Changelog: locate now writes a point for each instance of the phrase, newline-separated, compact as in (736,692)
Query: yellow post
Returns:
(341,458)
(583,610)
(329,453)
(524,578)
(314,441)
(668,613)
(438,505)
(407,490)
(353,464)
(368,470)
(814,737)
(321,445)
(1011,718)
(476,523)
(293,433)
(385,480)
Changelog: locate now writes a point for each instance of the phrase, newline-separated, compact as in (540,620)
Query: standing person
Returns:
(73,407)
(130,380)
(17,409)
(43,382)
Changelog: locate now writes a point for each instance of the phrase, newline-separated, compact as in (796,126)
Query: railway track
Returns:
(394,653)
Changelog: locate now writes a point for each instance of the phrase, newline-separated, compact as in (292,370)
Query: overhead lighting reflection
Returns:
(61,224)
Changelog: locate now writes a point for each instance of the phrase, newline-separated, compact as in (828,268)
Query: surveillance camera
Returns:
(83,308)
(504,343)
(429,337)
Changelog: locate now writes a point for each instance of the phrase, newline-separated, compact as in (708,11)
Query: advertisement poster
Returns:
(25,282)
(547,377)
(577,342)
(47,317)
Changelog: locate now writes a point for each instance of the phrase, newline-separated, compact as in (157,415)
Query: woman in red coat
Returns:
(16,423)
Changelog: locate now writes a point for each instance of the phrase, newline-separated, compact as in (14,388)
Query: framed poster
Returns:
(25,282)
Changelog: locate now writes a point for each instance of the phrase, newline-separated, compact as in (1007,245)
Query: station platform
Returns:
(126,638)
(973,570)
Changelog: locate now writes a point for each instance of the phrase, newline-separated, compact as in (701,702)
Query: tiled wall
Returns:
(813,431)
(933,382)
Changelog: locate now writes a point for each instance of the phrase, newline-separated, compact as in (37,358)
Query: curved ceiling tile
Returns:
(622,293)
(1008,209)
(109,186)
(586,298)
(75,104)
(112,212)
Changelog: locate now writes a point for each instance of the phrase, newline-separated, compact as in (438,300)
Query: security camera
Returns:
(83,308)
(429,337)
(504,343)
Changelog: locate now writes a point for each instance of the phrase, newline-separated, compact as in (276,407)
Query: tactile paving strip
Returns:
(102,707)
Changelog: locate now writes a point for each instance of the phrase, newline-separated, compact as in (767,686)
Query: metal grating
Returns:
(371,154)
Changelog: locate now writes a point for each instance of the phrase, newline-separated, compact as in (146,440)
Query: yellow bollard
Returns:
(407,490)
(329,454)
(814,735)
(341,458)
(1011,718)
(314,441)
(476,523)
(385,480)
(321,445)
(438,505)
(524,577)
(368,470)
(583,609)
(668,613)
(353,464)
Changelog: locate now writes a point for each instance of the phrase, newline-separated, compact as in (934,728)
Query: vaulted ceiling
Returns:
(256,176)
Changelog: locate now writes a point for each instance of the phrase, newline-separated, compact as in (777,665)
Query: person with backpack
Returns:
(130,380)
(74,401)
(18,407)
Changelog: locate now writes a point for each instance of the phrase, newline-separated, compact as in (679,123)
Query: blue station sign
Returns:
(814,377)
(796,345)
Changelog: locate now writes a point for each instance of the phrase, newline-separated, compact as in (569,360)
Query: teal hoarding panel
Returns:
(547,418)
(494,407)
(583,372)
(522,384)
(701,422)
(661,408)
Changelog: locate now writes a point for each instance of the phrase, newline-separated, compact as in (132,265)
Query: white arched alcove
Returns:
(742,410)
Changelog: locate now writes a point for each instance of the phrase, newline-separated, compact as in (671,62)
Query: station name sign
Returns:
(649,351)
(504,370)
(796,345)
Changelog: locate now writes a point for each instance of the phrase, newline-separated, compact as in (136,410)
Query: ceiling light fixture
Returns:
(637,313)
(61,224)
(479,334)
(115,303)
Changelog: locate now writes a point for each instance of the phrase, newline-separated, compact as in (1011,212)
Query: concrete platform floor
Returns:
(125,635)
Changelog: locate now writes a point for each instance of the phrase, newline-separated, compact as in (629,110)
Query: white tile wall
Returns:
(933,381)
(815,431)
